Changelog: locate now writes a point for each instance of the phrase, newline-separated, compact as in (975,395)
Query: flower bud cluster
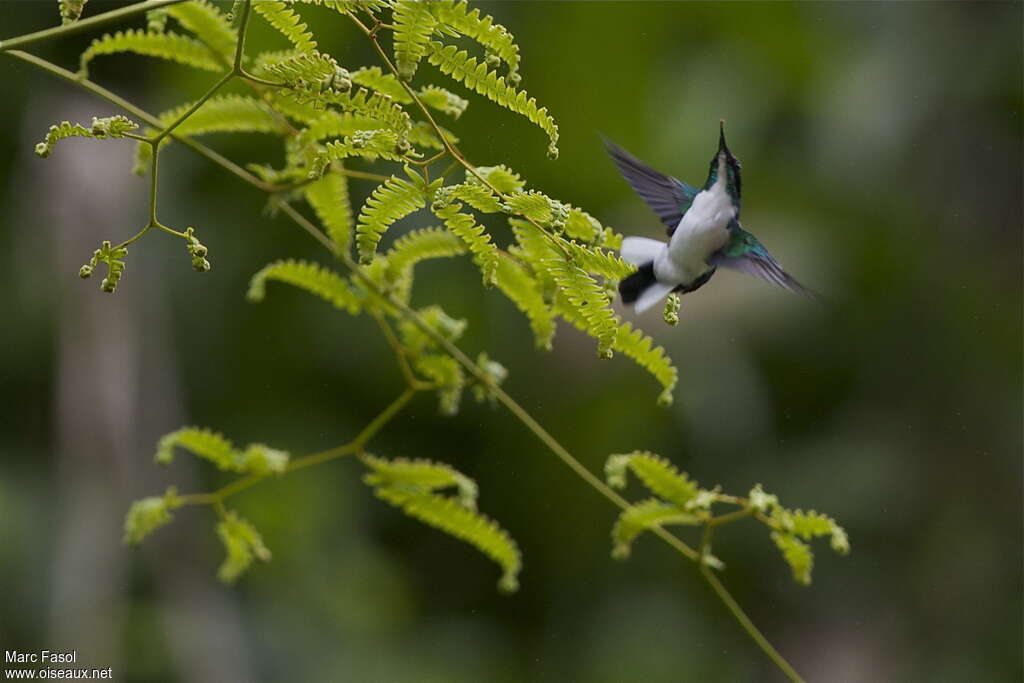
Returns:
(198,251)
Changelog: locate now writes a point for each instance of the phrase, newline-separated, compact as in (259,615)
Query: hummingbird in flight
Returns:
(703,228)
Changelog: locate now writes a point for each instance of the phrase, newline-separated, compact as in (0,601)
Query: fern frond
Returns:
(797,555)
(296,69)
(812,524)
(368,144)
(373,78)
(422,244)
(225,114)
(329,198)
(634,344)
(656,473)
(449,378)
(502,178)
(459,18)
(287,22)
(413,25)
(311,277)
(454,519)
(202,443)
(583,302)
(642,516)
(485,253)
(525,292)
(443,100)
(372,105)
(533,205)
(165,45)
(100,128)
(149,514)
(243,545)
(209,25)
(391,201)
(420,476)
(476,76)
(580,225)
(70,10)
(597,260)
(422,135)
(476,195)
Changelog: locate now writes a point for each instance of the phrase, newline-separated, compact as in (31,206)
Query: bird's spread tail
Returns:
(640,250)
(643,289)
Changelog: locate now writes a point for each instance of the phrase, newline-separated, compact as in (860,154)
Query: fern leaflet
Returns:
(443,100)
(203,443)
(524,291)
(287,22)
(585,303)
(208,24)
(634,344)
(485,254)
(329,198)
(243,545)
(390,201)
(165,45)
(642,516)
(657,474)
(457,17)
(413,26)
(476,76)
(453,518)
(311,277)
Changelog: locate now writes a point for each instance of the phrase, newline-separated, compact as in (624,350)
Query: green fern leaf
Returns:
(170,46)
(443,100)
(329,198)
(640,347)
(422,135)
(311,277)
(525,292)
(202,443)
(373,78)
(420,476)
(296,69)
(413,26)
(500,177)
(583,302)
(457,17)
(597,260)
(108,127)
(533,205)
(580,225)
(418,245)
(287,22)
(476,195)
(485,254)
(455,519)
(465,69)
(811,524)
(209,25)
(642,516)
(225,114)
(243,545)
(149,514)
(657,474)
(391,201)
(368,144)
(797,555)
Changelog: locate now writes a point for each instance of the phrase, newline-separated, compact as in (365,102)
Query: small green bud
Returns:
(513,78)
(552,151)
(671,313)
(402,147)
(199,264)
(42,150)
(85,272)
(492,59)
(197,249)
(108,285)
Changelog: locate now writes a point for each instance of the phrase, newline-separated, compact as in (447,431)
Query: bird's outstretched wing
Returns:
(668,197)
(747,255)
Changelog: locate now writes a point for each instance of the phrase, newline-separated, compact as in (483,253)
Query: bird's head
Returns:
(724,162)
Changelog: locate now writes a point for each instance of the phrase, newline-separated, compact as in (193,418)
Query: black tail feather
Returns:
(634,285)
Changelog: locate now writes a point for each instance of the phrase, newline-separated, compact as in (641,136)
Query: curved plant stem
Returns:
(510,404)
(30,39)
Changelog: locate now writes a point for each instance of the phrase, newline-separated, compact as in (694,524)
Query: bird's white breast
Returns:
(703,230)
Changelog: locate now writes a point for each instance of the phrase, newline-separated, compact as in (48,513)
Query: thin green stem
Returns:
(169,128)
(144,116)
(748,625)
(30,39)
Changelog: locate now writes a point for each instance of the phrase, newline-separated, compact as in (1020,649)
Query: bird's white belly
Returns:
(703,230)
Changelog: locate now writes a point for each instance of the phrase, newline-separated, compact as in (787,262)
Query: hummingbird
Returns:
(703,228)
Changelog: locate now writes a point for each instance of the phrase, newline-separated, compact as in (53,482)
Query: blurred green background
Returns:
(882,153)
